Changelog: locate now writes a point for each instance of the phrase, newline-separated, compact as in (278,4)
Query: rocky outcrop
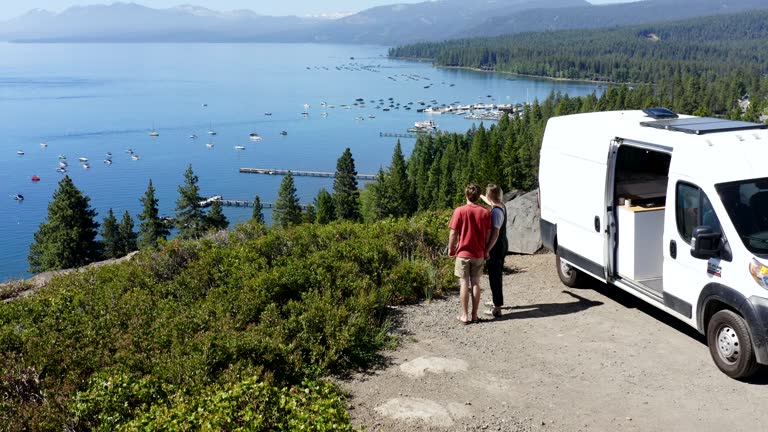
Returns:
(523,229)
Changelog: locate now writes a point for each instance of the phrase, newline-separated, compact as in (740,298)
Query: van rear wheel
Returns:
(569,275)
(730,345)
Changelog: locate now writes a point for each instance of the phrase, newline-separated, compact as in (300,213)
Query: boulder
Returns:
(523,229)
(509,196)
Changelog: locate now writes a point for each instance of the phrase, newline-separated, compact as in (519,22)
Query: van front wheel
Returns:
(569,275)
(730,345)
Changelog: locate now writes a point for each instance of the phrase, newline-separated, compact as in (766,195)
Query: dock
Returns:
(273,171)
(236,203)
(397,135)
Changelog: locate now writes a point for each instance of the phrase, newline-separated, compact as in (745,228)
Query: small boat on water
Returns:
(35,178)
(108,161)
(61,170)
(283,133)
(239,147)
(135,157)
(211,132)
(20,152)
(109,154)
(129,151)
(63,164)
(43,144)
(267,113)
(254,136)
(83,159)
(359,118)
(371,116)
(86,165)
(193,136)
(210,145)
(18,197)
(62,157)
(154,134)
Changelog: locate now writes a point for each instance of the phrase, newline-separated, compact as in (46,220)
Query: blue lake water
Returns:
(87,100)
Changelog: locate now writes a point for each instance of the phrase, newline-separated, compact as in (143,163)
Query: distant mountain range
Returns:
(387,25)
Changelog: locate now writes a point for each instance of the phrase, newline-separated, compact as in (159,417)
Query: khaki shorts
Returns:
(472,267)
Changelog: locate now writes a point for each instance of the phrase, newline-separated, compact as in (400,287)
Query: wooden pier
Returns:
(236,203)
(270,171)
(397,135)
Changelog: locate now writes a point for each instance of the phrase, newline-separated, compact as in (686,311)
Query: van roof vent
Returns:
(702,125)
(659,113)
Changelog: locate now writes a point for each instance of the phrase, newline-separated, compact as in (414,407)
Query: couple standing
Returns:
(478,237)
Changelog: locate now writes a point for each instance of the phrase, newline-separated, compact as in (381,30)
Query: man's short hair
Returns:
(472,192)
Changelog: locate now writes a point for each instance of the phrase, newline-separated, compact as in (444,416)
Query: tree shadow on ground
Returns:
(544,310)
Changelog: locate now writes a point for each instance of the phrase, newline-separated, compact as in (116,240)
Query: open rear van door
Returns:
(610,212)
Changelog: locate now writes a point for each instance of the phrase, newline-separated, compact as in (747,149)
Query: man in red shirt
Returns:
(470,232)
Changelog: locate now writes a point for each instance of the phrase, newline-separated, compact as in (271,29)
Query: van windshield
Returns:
(746,202)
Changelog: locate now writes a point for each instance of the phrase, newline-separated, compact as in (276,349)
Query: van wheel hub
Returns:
(728,344)
(565,268)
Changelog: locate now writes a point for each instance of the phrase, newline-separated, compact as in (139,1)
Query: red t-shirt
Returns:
(471,223)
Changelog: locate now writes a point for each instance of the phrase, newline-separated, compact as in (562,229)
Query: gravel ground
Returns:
(559,359)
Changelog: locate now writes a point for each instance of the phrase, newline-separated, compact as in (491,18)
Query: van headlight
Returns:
(759,273)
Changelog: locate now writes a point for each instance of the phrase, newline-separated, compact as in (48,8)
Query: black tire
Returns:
(731,345)
(569,276)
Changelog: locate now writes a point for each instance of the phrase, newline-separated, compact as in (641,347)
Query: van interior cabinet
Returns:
(640,243)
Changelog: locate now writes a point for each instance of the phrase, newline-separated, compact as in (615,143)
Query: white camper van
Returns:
(672,209)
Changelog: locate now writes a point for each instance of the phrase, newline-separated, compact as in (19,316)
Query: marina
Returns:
(237,203)
(300,173)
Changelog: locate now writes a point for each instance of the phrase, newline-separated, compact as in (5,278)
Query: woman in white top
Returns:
(496,249)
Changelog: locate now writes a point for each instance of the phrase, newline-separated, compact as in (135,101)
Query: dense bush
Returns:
(234,332)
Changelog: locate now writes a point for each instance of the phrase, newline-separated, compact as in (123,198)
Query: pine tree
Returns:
(326,210)
(216,219)
(152,228)
(110,236)
(258,211)
(401,195)
(128,237)
(309,215)
(345,193)
(190,216)
(287,210)
(67,238)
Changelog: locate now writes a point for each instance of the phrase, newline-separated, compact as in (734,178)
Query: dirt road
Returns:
(559,359)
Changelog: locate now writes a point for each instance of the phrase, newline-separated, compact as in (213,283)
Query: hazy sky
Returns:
(13,8)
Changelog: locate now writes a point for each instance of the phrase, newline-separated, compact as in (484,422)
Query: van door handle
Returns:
(673,249)
(597,223)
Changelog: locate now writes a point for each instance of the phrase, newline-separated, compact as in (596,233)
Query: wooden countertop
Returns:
(640,209)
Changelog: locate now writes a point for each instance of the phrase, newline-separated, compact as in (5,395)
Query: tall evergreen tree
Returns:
(67,238)
(216,219)
(287,210)
(326,210)
(309,215)
(110,236)
(402,197)
(190,216)
(128,237)
(345,193)
(152,228)
(258,211)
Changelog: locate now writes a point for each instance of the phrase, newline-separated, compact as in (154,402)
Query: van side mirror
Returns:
(706,243)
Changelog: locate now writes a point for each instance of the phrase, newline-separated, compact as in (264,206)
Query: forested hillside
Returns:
(713,47)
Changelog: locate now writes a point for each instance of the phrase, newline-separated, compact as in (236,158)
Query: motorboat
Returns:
(83,159)
(154,134)
(108,161)
(20,152)
(43,144)
(193,136)
(254,136)
(86,165)
(129,151)
(359,118)
(63,164)
(61,170)
(371,116)
(210,145)
(18,197)
(109,154)
(62,157)
(267,113)
(135,157)
(35,178)
(211,132)
(283,133)
(239,147)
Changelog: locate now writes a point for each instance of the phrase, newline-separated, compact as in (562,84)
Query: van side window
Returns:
(693,209)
